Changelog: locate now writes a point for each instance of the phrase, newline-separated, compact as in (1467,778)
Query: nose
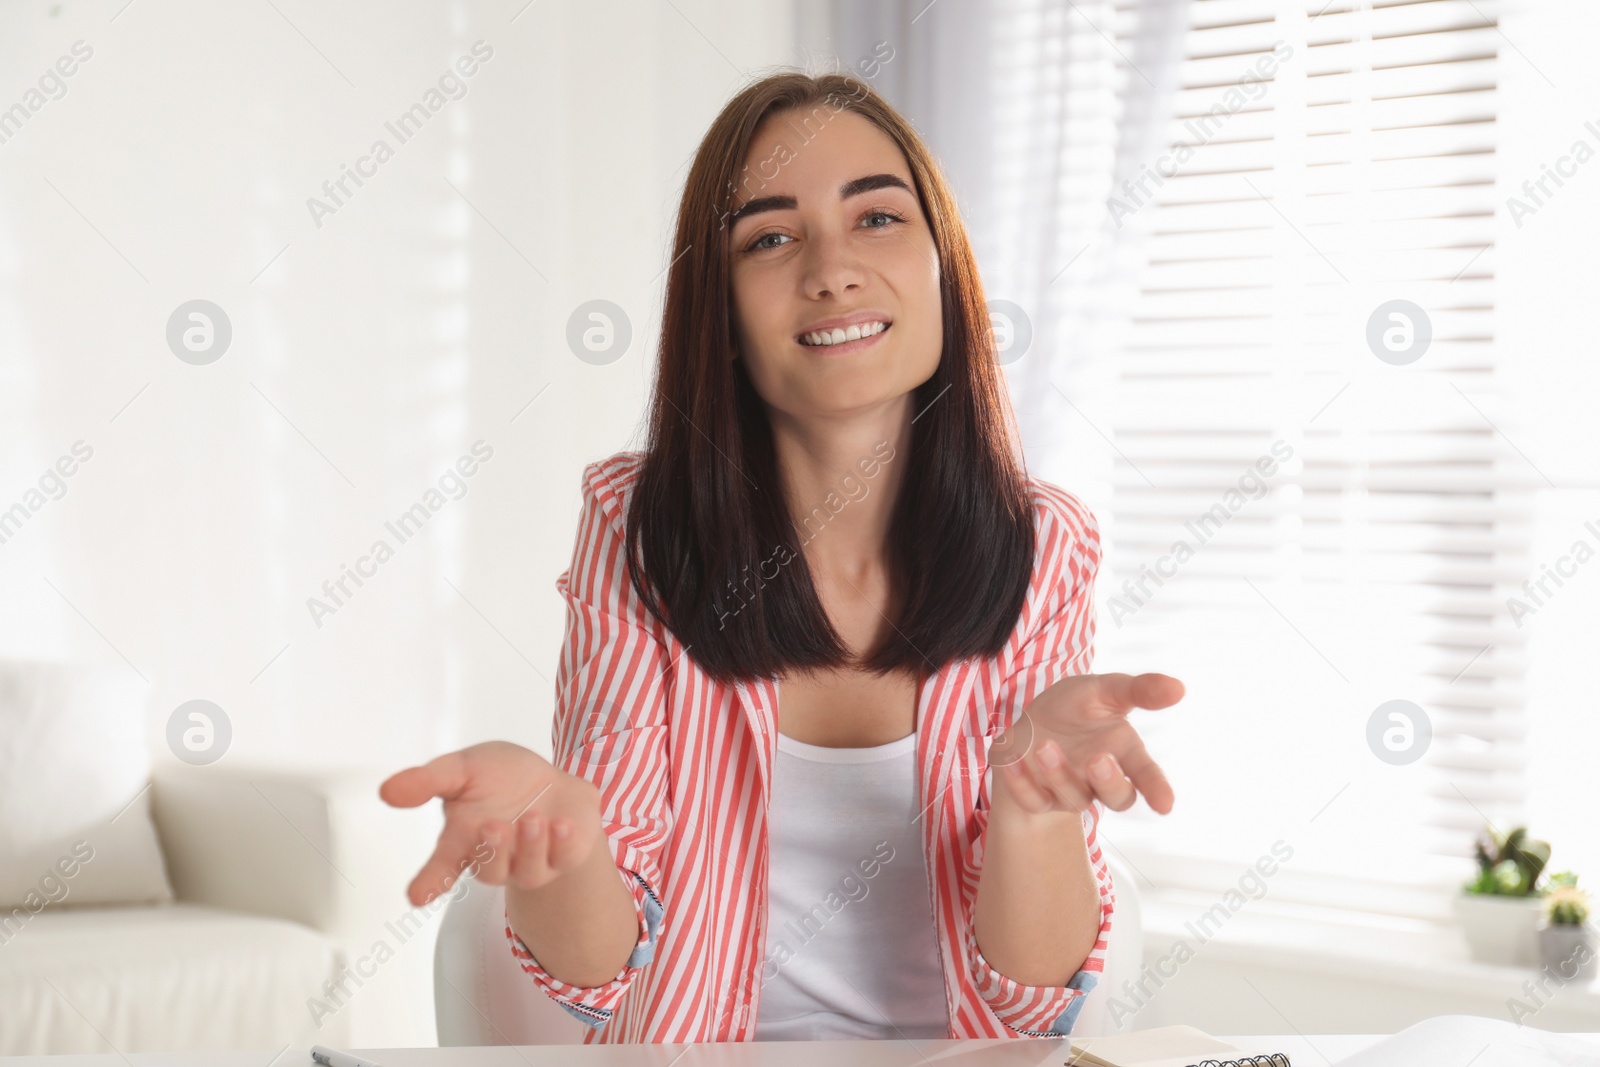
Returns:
(832,267)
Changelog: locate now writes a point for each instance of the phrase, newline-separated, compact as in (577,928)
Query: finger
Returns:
(439,873)
(1067,792)
(444,776)
(1125,691)
(1110,784)
(530,867)
(1025,792)
(1148,778)
(497,834)
(566,850)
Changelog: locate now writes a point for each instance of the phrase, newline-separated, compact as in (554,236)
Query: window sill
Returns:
(1344,945)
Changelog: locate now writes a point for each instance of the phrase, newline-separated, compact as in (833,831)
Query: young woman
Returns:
(804,623)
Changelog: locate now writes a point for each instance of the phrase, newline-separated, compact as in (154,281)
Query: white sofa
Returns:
(283,884)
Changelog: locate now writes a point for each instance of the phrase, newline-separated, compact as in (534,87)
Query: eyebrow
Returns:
(846,191)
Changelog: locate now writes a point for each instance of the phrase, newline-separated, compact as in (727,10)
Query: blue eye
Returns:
(757,246)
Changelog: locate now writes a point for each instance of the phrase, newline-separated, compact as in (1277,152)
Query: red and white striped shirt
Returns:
(683,765)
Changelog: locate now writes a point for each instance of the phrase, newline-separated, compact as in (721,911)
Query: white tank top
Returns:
(851,949)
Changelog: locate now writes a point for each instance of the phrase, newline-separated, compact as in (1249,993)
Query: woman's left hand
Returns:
(1073,745)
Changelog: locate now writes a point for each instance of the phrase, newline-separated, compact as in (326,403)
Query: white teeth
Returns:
(823,338)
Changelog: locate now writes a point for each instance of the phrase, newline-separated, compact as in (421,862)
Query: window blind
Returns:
(1300,529)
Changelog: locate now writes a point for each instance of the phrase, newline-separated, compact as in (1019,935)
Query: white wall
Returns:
(369,356)
(368,352)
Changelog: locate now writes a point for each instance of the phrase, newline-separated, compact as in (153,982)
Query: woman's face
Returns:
(817,246)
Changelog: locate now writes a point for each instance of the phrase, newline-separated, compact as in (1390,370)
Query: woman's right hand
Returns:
(537,820)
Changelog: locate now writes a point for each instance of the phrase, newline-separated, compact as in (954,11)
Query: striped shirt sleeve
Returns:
(1061,645)
(610,727)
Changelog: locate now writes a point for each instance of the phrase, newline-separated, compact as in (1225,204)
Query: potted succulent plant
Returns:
(1499,909)
(1565,942)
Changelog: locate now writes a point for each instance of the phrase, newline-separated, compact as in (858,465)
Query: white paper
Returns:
(1454,1040)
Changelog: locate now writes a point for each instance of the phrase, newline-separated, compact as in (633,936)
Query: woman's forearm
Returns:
(1037,914)
(582,927)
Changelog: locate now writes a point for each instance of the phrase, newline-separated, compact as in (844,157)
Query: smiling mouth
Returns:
(843,338)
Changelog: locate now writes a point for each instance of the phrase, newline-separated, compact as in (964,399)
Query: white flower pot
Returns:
(1503,930)
(1568,952)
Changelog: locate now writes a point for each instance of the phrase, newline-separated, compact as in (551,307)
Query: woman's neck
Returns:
(842,477)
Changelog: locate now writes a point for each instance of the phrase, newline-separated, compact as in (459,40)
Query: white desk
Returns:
(1313,1050)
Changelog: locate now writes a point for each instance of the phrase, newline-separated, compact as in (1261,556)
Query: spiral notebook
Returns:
(1168,1046)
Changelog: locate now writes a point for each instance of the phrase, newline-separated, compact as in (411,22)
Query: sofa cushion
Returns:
(75,825)
(164,978)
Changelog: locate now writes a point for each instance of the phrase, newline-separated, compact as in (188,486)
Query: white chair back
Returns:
(1124,955)
(480,994)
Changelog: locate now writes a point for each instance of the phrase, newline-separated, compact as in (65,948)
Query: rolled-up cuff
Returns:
(596,1004)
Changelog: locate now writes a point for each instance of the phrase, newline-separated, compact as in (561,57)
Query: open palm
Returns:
(1073,745)
(536,820)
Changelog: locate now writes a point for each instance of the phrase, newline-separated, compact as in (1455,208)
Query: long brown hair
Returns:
(708,517)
